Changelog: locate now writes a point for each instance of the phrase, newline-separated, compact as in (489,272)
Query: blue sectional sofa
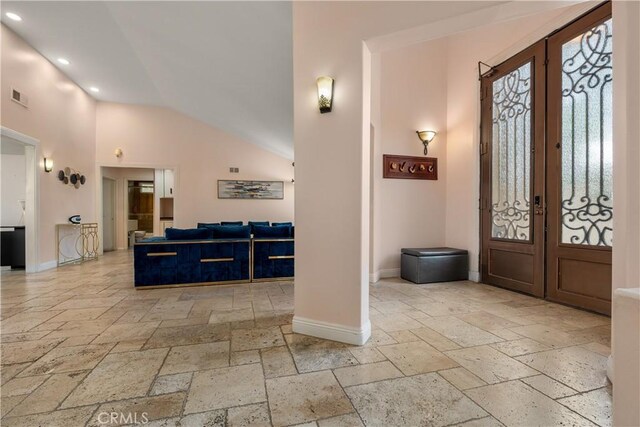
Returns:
(273,252)
(215,254)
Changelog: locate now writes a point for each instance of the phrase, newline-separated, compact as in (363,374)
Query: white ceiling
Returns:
(228,64)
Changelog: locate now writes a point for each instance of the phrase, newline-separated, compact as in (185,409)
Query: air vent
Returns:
(234,170)
(19,97)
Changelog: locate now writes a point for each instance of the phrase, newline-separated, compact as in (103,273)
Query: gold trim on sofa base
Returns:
(273,279)
(181,285)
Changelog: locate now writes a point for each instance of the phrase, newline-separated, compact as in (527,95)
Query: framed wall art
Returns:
(233,189)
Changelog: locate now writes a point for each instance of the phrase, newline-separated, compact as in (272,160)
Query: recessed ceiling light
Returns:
(63,61)
(14,16)
(94,89)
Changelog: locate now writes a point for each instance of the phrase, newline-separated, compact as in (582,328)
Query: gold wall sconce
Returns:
(48,165)
(426,136)
(325,93)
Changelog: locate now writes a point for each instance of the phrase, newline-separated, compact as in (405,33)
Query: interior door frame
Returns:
(114,233)
(555,248)
(32,199)
(535,54)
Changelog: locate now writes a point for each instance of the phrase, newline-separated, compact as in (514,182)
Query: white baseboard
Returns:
(386,273)
(332,331)
(47,265)
(374,277)
(474,276)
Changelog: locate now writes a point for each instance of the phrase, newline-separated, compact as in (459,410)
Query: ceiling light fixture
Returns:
(94,89)
(13,16)
(63,61)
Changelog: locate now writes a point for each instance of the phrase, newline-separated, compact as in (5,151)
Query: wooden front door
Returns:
(579,157)
(512,173)
(547,164)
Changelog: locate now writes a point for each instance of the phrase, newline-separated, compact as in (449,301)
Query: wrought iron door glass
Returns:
(511,156)
(587,187)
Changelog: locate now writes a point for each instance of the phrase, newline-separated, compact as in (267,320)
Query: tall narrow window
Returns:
(587,188)
(511,156)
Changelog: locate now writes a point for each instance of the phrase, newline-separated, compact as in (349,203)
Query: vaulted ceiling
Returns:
(228,64)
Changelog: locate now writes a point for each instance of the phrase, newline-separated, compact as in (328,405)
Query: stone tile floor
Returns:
(79,343)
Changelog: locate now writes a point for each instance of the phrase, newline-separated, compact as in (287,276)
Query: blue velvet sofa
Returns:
(273,252)
(215,254)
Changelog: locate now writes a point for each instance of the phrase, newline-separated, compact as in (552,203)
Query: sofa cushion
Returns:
(278,231)
(290,224)
(231,231)
(153,239)
(252,224)
(187,234)
(207,224)
(231,223)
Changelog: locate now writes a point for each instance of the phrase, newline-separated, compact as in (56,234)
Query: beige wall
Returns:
(410,213)
(491,44)
(63,117)
(434,85)
(156,137)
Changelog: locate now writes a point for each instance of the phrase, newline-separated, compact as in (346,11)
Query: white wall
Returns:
(626,206)
(154,137)
(63,118)
(410,213)
(14,188)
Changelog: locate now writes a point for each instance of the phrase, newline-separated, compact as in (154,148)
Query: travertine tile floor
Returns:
(79,344)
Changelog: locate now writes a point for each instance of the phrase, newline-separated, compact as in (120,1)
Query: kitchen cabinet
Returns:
(168,183)
(165,183)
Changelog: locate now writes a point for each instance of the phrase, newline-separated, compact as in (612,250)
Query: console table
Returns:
(77,243)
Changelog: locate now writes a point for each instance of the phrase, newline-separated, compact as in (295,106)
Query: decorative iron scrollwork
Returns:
(511,162)
(587,188)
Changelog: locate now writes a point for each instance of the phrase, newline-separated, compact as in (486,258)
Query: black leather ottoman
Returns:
(428,265)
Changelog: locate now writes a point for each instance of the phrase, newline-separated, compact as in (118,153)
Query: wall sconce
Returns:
(118,152)
(426,136)
(48,165)
(325,93)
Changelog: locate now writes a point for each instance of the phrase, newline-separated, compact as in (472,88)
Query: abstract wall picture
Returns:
(250,189)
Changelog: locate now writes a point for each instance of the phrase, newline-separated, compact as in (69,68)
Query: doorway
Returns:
(24,216)
(546,167)
(140,204)
(108,214)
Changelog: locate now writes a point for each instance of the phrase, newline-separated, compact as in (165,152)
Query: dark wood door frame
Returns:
(577,274)
(573,274)
(515,264)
